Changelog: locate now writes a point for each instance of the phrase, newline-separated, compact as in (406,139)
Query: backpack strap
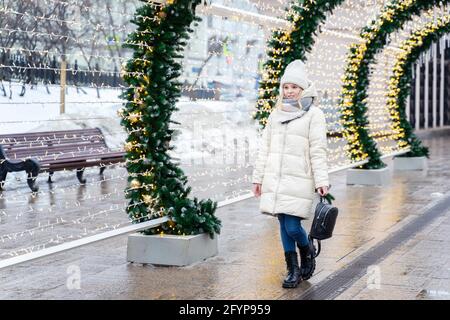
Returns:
(319,246)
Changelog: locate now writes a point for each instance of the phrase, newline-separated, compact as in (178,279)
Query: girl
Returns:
(291,165)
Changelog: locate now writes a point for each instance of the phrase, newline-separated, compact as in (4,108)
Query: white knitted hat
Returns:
(295,73)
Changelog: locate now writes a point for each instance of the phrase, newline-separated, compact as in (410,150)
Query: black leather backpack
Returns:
(322,227)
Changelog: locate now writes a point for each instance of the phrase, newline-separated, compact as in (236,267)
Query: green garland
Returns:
(287,46)
(394,15)
(400,84)
(157,186)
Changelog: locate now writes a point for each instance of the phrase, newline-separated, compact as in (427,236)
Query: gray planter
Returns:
(369,177)
(410,163)
(170,250)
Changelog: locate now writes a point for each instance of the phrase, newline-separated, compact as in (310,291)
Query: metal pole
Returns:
(62,107)
(417,102)
(426,88)
(441,88)
(408,106)
(434,48)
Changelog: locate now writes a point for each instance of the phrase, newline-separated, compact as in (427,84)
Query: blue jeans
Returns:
(291,231)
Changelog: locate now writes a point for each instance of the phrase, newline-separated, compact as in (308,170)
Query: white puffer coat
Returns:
(292,161)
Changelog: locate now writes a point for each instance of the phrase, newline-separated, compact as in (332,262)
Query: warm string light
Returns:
(324,75)
(415,40)
(17,198)
(72,86)
(146,199)
(72,70)
(75,40)
(241,70)
(96,151)
(187,88)
(24,198)
(46,53)
(192,117)
(60,221)
(324,66)
(105,226)
(315,61)
(353,68)
(263,6)
(402,35)
(31,232)
(85,103)
(81,7)
(43,141)
(57,239)
(109,58)
(136,148)
(384,123)
(52,120)
(95,42)
(97,29)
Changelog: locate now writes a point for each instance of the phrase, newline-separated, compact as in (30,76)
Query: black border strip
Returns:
(335,284)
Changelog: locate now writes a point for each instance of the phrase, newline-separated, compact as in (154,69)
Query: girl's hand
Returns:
(323,191)
(257,189)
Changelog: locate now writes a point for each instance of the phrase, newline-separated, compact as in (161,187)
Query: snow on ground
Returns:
(207,127)
(39,111)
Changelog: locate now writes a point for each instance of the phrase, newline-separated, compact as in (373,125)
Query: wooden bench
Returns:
(52,151)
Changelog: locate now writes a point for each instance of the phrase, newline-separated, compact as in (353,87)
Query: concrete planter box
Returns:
(369,177)
(410,163)
(170,250)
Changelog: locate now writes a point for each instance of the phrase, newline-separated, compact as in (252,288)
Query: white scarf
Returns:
(295,106)
(290,105)
(291,109)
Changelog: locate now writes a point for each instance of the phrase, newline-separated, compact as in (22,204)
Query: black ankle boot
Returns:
(294,275)
(307,260)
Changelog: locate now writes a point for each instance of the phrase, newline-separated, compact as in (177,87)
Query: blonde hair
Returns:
(279,102)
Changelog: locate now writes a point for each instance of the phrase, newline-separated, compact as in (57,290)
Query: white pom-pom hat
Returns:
(295,73)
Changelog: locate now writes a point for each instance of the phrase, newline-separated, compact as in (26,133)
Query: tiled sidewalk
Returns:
(419,269)
(250,262)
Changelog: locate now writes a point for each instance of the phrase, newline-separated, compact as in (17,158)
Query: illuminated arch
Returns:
(356,78)
(157,186)
(400,83)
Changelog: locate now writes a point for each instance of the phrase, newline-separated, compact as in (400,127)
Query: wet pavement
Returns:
(250,262)
(418,269)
